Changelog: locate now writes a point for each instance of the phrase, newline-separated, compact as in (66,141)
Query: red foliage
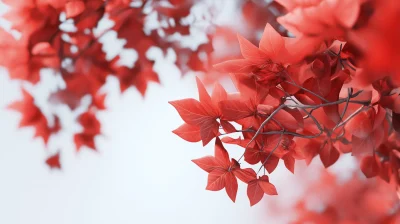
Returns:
(323,80)
(75,54)
(33,117)
(332,88)
(355,201)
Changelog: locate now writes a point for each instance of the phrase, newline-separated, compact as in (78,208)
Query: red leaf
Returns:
(219,94)
(90,123)
(271,164)
(328,154)
(380,117)
(221,155)
(333,111)
(237,141)
(236,66)
(98,101)
(208,131)
(220,160)
(256,189)
(32,116)
(216,180)
(250,51)
(286,119)
(296,115)
(361,145)
(231,185)
(234,109)
(188,132)
(254,155)
(279,145)
(266,186)
(228,127)
(82,139)
(54,161)
(264,109)
(310,149)
(369,166)
(205,98)
(362,124)
(191,111)
(246,84)
(271,42)
(254,192)
(245,175)
(207,163)
(289,162)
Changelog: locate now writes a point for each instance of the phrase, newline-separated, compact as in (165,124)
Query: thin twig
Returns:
(349,90)
(348,118)
(272,152)
(309,91)
(265,122)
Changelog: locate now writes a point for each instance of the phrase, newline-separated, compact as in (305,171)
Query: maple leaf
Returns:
(264,62)
(32,116)
(205,99)
(235,109)
(191,111)
(222,171)
(203,114)
(139,76)
(188,132)
(258,187)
